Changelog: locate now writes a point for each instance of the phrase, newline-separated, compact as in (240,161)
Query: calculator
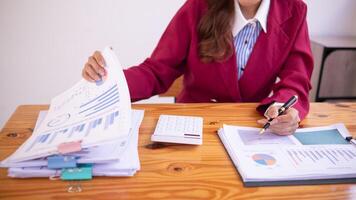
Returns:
(179,129)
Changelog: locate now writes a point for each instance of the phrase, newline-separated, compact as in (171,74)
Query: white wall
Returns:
(44,43)
(331,17)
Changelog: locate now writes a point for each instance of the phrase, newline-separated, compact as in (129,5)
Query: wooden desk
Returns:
(175,171)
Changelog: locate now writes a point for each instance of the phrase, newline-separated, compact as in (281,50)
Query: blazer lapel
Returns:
(228,73)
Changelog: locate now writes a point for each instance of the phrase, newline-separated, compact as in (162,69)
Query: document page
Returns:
(88,113)
(270,157)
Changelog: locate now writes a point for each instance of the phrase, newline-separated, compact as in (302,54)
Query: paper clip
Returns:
(56,176)
(74,187)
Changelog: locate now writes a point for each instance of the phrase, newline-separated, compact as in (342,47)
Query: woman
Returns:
(230,51)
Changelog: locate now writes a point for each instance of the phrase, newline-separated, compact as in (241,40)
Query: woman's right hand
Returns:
(94,68)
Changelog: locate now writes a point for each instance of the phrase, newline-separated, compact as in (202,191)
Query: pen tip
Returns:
(262,131)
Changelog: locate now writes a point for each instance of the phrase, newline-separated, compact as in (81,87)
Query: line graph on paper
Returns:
(100,102)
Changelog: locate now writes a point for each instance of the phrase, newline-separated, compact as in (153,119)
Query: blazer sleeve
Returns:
(295,73)
(157,73)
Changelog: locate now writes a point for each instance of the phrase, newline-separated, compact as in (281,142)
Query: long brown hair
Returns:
(214,31)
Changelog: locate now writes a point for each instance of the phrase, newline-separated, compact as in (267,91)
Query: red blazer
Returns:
(284,52)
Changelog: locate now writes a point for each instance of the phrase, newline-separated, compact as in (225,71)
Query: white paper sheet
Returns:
(285,157)
(91,113)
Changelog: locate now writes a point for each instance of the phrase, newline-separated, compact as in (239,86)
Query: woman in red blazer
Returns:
(205,43)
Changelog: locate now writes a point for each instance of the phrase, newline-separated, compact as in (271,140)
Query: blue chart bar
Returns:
(92,125)
(101,102)
(78,128)
(85,104)
(106,122)
(54,136)
(39,139)
(104,105)
(95,123)
(81,127)
(109,120)
(110,94)
(71,132)
(89,128)
(112,119)
(44,138)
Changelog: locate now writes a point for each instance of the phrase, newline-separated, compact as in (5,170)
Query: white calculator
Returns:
(179,129)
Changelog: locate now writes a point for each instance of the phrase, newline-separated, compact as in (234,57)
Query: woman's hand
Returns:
(285,124)
(94,68)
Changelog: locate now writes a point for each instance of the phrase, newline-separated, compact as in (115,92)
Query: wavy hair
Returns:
(214,30)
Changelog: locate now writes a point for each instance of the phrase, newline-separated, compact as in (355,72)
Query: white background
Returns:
(44,43)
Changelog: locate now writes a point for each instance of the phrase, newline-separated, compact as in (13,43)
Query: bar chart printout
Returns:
(89,113)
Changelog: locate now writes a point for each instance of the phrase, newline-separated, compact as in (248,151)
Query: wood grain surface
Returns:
(175,171)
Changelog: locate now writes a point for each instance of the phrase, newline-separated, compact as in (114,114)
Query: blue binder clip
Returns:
(59,162)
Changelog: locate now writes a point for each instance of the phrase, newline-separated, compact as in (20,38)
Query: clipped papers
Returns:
(281,160)
(125,164)
(88,130)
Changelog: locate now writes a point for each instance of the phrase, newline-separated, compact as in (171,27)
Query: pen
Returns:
(351,139)
(281,110)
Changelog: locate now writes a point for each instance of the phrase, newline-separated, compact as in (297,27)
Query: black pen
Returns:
(351,139)
(281,110)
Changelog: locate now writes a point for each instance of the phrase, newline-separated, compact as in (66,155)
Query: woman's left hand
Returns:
(285,124)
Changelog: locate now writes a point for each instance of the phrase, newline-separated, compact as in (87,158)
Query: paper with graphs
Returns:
(88,113)
(318,153)
(125,163)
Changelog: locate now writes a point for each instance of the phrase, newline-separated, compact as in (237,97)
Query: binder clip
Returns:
(82,172)
(69,147)
(59,162)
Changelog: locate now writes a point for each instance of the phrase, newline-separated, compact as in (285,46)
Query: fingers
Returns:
(272,112)
(91,72)
(285,124)
(291,114)
(284,128)
(99,58)
(94,68)
(86,76)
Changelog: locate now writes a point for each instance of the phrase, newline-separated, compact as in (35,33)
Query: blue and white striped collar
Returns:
(261,16)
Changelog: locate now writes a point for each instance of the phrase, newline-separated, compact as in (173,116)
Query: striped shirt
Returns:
(244,42)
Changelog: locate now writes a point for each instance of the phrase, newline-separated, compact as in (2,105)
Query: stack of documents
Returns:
(89,130)
(310,156)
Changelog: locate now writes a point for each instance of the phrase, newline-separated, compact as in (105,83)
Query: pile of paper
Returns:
(116,159)
(89,130)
